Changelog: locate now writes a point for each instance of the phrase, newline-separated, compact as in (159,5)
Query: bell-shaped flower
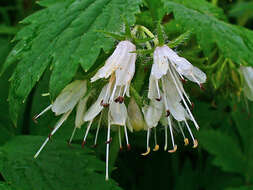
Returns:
(165,84)
(120,66)
(69,97)
(247,73)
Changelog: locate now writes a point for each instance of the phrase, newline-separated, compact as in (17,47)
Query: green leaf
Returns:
(228,155)
(156,9)
(241,188)
(5,186)
(58,166)
(231,40)
(63,35)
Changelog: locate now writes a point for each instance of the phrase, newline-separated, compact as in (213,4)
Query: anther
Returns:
(193,105)
(183,80)
(159,99)
(108,142)
(174,149)
(195,143)
(34,119)
(156,148)
(121,149)
(94,146)
(186,141)
(49,136)
(83,143)
(120,99)
(146,153)
(167,113)
(128,147)
(104,105)
(201,87)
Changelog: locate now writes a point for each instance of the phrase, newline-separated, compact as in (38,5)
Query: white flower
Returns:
(69,97)
(121,67)
(165,84)
(248,81)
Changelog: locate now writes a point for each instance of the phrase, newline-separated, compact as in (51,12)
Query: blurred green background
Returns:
(224,159)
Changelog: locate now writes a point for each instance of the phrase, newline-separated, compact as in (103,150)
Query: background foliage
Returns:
(61,35)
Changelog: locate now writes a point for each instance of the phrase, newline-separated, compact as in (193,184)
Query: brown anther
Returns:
(183,80)
(167,113)
(121,149)
(83,143)
(159,99)
(34,119)
(49,136)
(201,87)
(193,105)
(108,142)
(94,146)
(120,99)
(128,147)
(104,105)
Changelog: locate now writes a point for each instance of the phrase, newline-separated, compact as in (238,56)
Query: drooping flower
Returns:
(247,73)
(165,84)
(69,97)
(120,67)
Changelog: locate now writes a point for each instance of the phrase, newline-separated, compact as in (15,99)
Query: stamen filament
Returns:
(72,135)
(87,131)
(166,138)
(156,145)
(186,141)
(120,141)
(148,148)
(174,80)
(128,145)
(41,113)
(172,136)
(98,127)
(195,142)
(57,126)
(107,151)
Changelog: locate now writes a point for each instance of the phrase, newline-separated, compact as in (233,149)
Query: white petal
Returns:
(81,108)
(153,113)
(118,113)
(170,89)
(248,85)
(96,108)
(152,89)
(160,65)
(69,97)
(113,62)
(199,75)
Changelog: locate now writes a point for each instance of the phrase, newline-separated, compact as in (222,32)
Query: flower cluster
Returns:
(168,101)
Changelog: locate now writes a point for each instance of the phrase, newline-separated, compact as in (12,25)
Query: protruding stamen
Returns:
(125,89)
(107,151)
(98,127)
(120,141)
(195,143)
(166,138)
(186,141)
(173,150)
(49,136)
(181,95)
(87,131)
(72,135)
(127,142)
(148,148)
(156,145)
(41,113)
(183,80)
(113,93)
(159,99)
(171,133)
(57,126)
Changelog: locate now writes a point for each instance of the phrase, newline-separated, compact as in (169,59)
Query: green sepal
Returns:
(112,35)
(180,39)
